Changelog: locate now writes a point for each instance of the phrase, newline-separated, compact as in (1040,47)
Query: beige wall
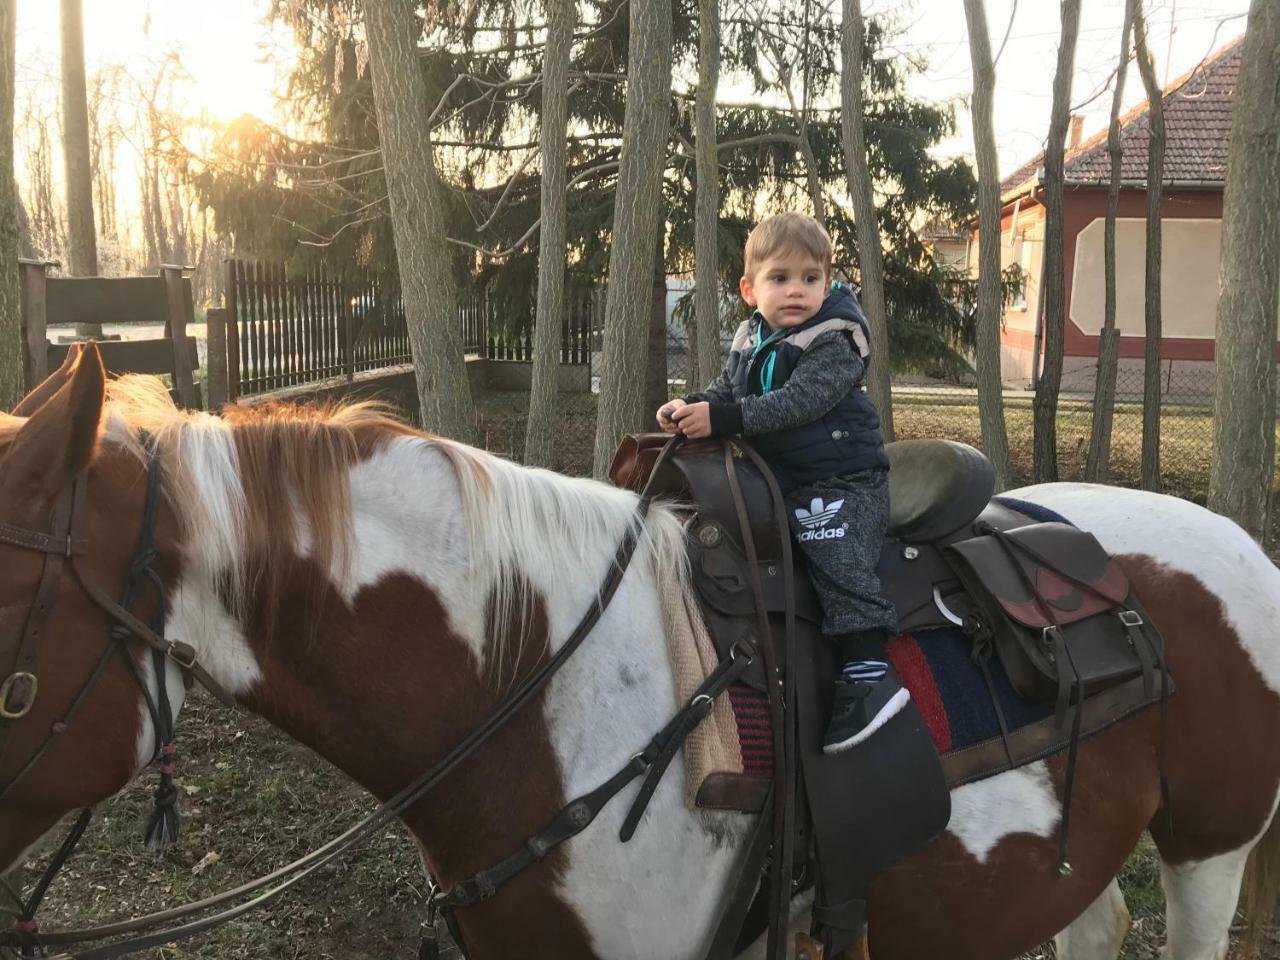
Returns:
(1188,277)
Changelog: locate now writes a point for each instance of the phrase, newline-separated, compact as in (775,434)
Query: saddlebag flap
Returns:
(1058,610)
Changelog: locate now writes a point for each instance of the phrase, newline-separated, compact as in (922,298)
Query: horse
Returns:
(373,591)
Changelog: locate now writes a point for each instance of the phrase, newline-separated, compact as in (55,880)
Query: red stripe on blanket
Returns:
(913,669)
(751,710)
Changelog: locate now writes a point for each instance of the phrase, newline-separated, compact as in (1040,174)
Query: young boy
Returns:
(793,386)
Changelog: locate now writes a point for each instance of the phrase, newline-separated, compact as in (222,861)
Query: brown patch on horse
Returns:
(420,692)
(1223,778)
(1224,769)
(942,902)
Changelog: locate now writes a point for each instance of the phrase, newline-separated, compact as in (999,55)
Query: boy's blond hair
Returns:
(784,233)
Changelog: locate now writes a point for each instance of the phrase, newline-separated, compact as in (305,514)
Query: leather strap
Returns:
(579,814)
(671,738)
(781,693)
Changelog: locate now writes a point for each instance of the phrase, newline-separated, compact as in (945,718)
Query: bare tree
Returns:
(1152,330)
(1243,461)
(861,189)
(82,248)
(418,220)
(1098,466)
(539,441)
(705,361)
(995,439)
(11,347)
(1045,446)
(637,219)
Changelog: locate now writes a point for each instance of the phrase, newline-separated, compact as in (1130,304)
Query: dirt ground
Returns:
(253,800)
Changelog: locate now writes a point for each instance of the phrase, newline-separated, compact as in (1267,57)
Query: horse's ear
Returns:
(47,387)
(57,440)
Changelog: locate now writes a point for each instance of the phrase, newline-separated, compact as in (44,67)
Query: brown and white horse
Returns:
(373,591)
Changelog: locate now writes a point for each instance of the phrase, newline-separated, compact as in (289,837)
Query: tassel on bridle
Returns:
(164,823)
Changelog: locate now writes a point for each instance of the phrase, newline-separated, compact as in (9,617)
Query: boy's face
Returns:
(787,288)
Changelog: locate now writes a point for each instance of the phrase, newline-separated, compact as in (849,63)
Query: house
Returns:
(1197,109)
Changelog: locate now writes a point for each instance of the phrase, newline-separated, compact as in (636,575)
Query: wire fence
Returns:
(926,408)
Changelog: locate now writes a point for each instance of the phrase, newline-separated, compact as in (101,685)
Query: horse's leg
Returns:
(1099,932)
(1200,902)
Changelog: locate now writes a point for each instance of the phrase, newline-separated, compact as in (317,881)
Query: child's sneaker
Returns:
(860,709)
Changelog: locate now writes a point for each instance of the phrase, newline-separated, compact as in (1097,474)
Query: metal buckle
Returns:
(746,651)
(26,682)
(1131,618)
(183,654)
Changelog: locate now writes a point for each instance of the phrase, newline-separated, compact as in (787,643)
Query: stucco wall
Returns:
(1188,277)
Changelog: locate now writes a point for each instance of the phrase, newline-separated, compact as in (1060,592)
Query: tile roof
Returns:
(1197,118)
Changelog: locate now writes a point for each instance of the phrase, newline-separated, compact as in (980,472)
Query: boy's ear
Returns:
(747,290)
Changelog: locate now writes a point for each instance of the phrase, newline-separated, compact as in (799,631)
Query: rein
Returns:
(27,938)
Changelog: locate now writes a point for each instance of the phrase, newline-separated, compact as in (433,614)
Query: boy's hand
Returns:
(665,415)
(694,420)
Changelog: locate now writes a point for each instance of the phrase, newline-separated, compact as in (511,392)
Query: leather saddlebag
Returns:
(1059,610)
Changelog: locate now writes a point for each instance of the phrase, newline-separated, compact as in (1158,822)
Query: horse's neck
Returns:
(385,661)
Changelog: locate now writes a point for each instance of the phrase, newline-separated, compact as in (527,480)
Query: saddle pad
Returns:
(951,693)
(1032,511)
(713,747)
(946,685)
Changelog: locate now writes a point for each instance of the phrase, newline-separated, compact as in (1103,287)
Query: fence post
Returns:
(232,332)
(348,340)
(176,327)
(216,380)
(32,278)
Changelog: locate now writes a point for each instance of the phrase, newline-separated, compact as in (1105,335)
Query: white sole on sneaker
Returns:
(890,709)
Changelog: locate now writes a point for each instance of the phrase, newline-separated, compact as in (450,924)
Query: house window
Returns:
(1024,264)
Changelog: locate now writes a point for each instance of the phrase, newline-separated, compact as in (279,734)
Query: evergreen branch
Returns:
(499,254)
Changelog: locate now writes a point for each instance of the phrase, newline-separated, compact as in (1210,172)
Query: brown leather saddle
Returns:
(1043,597)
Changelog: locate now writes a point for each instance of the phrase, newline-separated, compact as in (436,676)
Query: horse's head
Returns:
(71,508)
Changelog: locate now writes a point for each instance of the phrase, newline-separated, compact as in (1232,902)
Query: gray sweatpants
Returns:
(840,525)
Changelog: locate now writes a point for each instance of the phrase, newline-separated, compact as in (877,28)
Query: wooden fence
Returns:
(284,330)
(165,299)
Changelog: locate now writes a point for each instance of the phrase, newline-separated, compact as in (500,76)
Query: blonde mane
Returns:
(253,487)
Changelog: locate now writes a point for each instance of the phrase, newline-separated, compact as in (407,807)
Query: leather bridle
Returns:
(64,545)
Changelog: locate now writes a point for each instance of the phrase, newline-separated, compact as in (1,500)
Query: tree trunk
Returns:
(705,363)
(1243,459)
(540,432)
(11,345)
(1045,465)
(995,440)
(656,378)
(637,221)
(418,220)
(1152,331)
(26,246)
(82,241)
(1098,466)
(861,190)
